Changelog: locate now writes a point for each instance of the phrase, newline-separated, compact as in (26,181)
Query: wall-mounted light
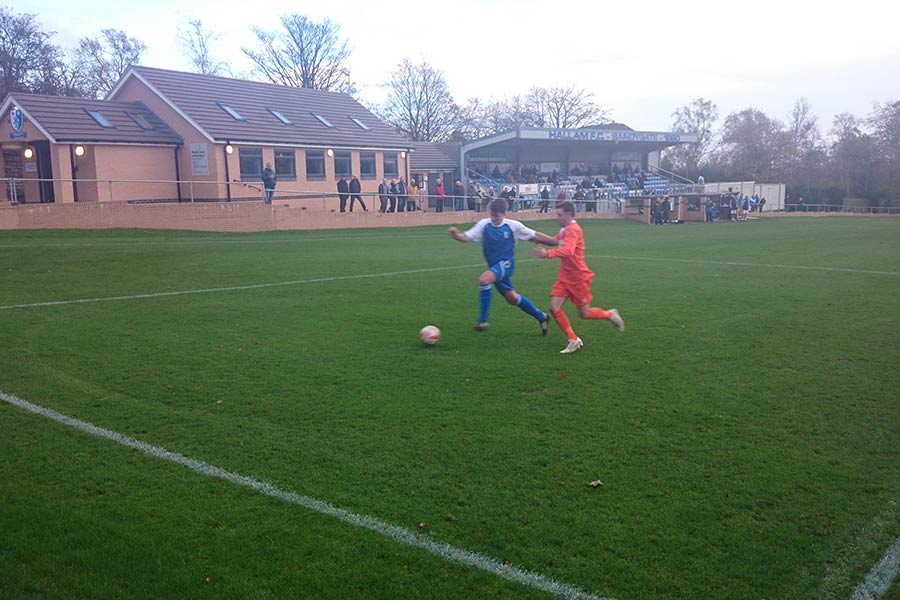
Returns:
(330,152)
(229,149)
(29,152)
(79,150)
(403,155)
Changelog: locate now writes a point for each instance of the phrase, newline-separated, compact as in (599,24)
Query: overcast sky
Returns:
(640,60)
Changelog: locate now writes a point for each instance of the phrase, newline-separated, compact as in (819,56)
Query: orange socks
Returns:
(563,321)
(598,313)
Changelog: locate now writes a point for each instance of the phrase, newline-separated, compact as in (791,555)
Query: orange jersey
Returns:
(572,268)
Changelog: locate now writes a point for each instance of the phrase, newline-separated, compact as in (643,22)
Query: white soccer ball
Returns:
(430,335)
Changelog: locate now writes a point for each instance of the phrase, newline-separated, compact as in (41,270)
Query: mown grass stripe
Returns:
(399,534)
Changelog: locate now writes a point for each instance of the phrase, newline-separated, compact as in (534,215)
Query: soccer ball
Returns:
(430,335)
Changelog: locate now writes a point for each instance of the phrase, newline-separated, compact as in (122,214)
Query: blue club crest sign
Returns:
(17,121)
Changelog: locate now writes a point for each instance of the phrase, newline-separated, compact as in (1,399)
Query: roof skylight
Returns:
(101,120)
(361,124)
(280,116)
(323,120)
(234,114)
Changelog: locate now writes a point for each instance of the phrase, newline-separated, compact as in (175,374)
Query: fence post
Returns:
(192,191)
(109,181)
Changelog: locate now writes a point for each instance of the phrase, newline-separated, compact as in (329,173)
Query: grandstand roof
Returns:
(235,110)
(622,137)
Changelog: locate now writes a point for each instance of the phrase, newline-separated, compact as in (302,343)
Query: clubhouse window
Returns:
(251,163)
(342,164)
(286,165)
(315,165)
(367,165)
(390,164)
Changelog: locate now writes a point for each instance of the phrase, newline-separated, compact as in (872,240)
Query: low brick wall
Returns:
(224,216)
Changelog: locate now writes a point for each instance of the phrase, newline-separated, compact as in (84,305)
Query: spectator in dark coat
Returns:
(343,192)
(355,194)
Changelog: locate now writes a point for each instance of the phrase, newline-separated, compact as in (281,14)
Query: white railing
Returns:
(161,191)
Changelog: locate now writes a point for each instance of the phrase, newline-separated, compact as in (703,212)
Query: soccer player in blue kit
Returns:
(498,236)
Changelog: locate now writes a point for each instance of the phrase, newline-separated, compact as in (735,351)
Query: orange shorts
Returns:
(579,294)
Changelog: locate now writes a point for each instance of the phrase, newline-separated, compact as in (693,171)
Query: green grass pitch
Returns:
(745,426)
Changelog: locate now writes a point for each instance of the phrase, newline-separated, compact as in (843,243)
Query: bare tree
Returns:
(306,54)
(196,40)
(697,117)
(420,105)
(885,123)
(562,108)
(27,58)
(750,145)
(104,60)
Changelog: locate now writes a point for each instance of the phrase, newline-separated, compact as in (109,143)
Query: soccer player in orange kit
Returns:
(574,279)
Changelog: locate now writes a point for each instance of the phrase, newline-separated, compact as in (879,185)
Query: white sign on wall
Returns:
(199,159)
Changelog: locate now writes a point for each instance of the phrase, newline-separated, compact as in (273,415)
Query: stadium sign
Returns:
(603,135)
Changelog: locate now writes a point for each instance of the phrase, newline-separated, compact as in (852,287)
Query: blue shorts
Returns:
(503,271)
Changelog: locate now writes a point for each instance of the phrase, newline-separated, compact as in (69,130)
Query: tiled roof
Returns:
(200,97)
(431,156)
(67,119)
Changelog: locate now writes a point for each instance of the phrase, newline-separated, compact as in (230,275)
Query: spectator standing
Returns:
(412,198)
(343,189)
(459,196)
(545,199)
(383,196)
(392,196)
(439,196)
(269,179)
(472,197)
(355,194)
(402,193)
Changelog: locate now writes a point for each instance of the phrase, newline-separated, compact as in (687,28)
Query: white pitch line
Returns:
(879,578)
(746,264)
(414,271)
(234,288)
(399,534)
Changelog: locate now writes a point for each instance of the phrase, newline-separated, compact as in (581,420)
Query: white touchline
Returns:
(400,534)
(878,580)
(745,264)
(235,287)
(410,272)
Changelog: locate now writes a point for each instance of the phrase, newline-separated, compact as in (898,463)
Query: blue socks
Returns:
(526,306)
(484,302)
(485,293)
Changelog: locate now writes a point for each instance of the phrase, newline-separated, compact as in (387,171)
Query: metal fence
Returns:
(161,191)
(839,208)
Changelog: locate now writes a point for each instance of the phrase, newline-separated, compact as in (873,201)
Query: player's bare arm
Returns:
(457,235)
(543,238)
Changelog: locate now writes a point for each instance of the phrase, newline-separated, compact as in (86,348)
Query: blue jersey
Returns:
(499,241)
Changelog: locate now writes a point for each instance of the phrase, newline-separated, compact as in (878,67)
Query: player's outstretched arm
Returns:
(457,235)
(543,238)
